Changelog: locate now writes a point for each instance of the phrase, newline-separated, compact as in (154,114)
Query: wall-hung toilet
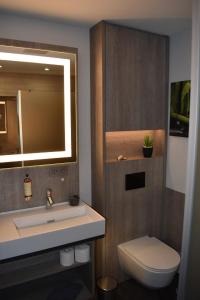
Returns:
(149,261)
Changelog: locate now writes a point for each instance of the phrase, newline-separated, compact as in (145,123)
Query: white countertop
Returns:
(15,242)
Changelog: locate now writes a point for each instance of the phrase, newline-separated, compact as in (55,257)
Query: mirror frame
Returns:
(35,47)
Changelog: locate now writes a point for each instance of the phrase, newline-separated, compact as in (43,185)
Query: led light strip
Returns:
(34,59)
(34,156)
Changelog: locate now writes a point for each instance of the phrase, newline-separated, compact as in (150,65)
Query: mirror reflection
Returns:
(33,111)
(37,94)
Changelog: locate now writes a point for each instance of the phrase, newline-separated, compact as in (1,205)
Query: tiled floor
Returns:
(128,290)
(131,290)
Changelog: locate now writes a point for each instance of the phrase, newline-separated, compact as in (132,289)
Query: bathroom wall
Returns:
(63,181)
(33,29)
(179,69)
(173,204)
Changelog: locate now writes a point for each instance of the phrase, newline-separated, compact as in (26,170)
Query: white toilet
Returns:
(149,261)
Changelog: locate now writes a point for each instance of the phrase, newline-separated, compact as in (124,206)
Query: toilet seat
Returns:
(151,254)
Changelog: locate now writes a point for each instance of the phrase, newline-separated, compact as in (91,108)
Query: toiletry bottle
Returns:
(27,188)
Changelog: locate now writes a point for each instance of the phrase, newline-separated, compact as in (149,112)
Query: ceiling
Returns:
(162,16)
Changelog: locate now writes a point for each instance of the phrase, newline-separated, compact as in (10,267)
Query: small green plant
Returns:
(148,141)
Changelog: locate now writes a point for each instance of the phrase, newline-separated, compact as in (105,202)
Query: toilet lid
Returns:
(152,253)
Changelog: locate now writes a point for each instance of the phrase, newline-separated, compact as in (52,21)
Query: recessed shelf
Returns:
(33,267)
(130,143)
(133,158)
(33,272)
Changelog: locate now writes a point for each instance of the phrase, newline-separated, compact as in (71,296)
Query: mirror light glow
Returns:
(67,107)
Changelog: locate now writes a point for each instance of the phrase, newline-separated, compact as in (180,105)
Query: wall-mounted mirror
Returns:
(37,105)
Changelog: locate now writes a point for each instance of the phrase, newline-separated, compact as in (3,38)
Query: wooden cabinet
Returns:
(135,72)
(136,79)
(129,83)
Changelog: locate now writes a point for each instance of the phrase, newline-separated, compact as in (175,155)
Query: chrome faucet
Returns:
(50,201)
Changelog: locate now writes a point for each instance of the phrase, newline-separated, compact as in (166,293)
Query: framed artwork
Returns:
(180,108)
(3,125)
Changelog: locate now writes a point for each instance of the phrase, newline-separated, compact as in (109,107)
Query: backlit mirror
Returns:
(37,106)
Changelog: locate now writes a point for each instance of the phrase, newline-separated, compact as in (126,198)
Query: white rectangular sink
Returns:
(37,229)
(51,215)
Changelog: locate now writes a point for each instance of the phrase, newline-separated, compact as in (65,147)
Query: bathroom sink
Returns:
(36,229)
(55,214)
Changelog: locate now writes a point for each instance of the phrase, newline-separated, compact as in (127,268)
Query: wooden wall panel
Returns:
(129,71)
(97,116)
(10,83)
(137,77)
(172,218)
(133,213)
(97,52)
(9,142)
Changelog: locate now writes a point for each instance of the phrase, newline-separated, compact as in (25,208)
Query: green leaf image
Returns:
(180,108)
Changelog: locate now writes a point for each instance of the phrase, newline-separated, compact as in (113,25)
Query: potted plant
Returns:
(148,146)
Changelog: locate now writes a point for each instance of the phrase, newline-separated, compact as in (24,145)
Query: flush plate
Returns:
(134,181)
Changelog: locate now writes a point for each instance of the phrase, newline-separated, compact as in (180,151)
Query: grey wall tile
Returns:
(12,189)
